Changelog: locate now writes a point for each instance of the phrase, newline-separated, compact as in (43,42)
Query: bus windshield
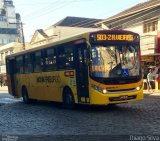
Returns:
(115,61)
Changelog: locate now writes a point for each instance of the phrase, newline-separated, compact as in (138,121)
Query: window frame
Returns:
(62,57)
(29,62)
(150,26)
(50,60)
(19,65)
(36,63)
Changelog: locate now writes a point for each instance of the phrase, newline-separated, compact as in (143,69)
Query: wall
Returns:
(7,50)
(136,28)
(148,40)
(58,33)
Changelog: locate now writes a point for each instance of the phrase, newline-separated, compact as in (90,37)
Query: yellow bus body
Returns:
(53,91)
(52,88)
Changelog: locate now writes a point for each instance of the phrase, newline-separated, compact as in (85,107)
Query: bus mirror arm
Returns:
(88,44)
(89,62)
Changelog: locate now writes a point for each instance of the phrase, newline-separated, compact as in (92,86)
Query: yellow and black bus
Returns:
(96,68)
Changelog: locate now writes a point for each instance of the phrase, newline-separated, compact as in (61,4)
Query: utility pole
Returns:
(23,40)
(21,27)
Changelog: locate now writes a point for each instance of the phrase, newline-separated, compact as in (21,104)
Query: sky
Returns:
(40,14)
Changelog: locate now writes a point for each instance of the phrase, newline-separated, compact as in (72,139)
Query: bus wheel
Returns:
(25,97)
(68,99)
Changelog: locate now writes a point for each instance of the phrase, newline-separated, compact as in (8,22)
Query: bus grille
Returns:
(121,90)
(121,98)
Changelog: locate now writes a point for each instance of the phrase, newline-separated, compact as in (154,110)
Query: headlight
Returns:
(139,87)
(104,91)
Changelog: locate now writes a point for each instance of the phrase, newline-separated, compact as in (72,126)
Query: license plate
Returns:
(124,97)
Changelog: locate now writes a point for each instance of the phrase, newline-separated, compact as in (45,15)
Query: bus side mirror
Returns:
(89,62)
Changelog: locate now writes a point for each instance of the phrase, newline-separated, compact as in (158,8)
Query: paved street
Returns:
(43,118)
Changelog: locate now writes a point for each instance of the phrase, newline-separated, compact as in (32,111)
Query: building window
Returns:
(7,2)
(8,31)
(11,40)
(4,41)
(3,19)
(150,26)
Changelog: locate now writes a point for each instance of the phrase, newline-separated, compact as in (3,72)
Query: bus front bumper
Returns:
(98,98)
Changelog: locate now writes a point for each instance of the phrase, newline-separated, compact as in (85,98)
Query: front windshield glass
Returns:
(115,61)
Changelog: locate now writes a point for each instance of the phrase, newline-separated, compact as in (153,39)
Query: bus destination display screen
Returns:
(102,37)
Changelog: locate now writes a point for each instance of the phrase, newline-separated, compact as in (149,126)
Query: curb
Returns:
(2,92)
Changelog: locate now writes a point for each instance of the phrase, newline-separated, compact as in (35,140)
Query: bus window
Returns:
(65,58)
(19,64)
(50,60)
(69,57)
(28,66)
(61,58)
(38,62)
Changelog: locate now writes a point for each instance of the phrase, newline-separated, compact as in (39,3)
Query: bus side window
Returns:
(69,57)
(28,67)
(50,59)
(37,62)
(65,58)
(19,64)
(61,58)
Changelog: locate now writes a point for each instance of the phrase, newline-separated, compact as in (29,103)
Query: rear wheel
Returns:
(68,99)
(26,99)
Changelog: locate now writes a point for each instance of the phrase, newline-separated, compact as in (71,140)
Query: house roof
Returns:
(42,33)
(78,22)
(149,4)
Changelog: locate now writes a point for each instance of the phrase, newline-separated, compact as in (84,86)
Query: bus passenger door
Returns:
(82,73)
(11,69)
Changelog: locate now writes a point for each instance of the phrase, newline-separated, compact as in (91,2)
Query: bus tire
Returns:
(25,97)
(68,99)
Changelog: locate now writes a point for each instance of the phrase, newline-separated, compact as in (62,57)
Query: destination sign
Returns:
(114,37)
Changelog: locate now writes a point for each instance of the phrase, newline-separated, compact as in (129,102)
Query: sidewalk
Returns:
(4,88)
(157,92)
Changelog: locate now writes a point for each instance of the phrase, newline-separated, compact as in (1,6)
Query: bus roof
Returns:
(65,40)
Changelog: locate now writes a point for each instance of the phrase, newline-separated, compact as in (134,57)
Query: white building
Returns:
(10,25)
(67,27)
